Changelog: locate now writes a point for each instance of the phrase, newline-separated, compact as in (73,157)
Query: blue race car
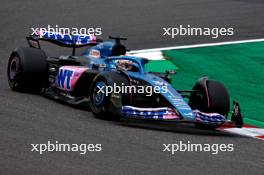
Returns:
(112,84)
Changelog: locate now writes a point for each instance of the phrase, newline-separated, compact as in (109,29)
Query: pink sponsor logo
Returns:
(68,76)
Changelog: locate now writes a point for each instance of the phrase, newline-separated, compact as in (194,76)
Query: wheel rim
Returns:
(13,69)
(98,95)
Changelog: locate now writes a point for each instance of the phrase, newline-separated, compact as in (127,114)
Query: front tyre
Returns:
(210,96)
(103,104)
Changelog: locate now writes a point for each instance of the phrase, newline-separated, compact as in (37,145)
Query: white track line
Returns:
(253,132)
(196,45)
(157,55)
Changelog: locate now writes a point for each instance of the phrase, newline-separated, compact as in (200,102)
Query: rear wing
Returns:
(70,41)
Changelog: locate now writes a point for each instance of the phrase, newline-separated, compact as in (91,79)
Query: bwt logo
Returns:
(83,39)
(64,78)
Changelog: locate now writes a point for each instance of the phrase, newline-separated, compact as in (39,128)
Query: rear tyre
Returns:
(211,97)
(27,70)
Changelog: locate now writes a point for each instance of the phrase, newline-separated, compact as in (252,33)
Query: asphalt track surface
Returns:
(128,148)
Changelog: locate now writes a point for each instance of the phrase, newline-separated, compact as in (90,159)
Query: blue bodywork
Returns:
(106,61)
(107,56)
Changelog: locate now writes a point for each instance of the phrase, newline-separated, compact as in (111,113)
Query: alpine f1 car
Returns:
(79,80)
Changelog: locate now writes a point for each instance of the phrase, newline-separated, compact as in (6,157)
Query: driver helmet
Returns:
(127,65)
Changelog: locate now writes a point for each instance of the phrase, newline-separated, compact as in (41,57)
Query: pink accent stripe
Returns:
(171,117)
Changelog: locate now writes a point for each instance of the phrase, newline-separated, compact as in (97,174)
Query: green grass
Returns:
(239,67)
(159,66)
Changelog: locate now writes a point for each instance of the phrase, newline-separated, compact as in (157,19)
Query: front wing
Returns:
(165,113)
